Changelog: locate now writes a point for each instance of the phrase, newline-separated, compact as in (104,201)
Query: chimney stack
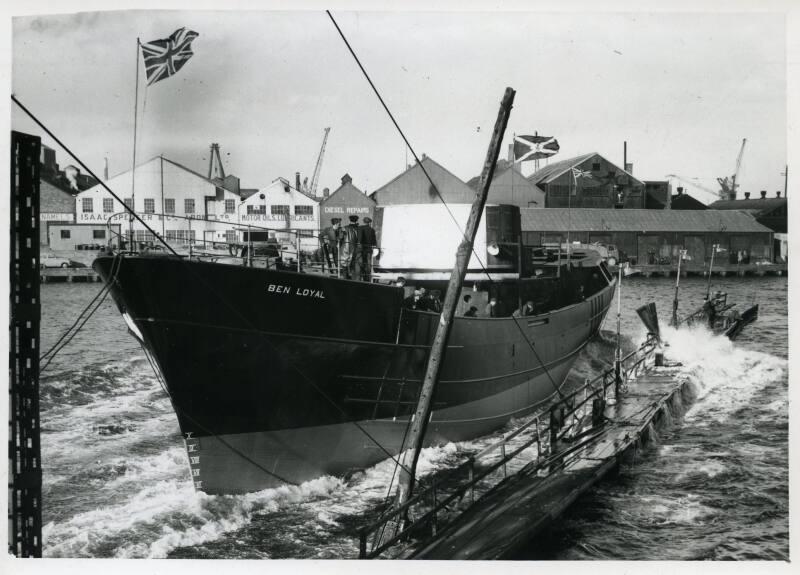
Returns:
(105,169)
(680,190)
(778,194)
(629,168)
(297,180)
(346,179)
(326,192)
(511,153)
(747,195)
(763,194)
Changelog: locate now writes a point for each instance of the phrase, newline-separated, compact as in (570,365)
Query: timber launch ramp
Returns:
(591,432)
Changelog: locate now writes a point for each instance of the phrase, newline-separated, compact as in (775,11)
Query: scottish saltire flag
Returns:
(534,147)
(163,58)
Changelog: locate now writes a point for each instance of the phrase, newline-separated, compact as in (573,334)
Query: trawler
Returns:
(283,375)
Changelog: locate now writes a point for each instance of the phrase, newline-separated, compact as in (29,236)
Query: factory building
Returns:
(654,237)
(589,181)
(282,212)
(683,201)
(347,200)
(57,189)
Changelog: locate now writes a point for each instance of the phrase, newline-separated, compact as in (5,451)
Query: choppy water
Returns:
(116,480)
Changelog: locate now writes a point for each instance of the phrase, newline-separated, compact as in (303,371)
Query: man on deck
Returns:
(330,244)
(367,242)
(349,249)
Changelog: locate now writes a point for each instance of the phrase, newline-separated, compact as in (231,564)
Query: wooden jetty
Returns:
(510,515)
(87,274)
(720,270)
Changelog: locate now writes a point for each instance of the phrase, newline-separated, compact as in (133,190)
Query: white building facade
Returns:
(282,212)
(177,203)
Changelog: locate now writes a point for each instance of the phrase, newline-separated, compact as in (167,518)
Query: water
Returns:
(715,486)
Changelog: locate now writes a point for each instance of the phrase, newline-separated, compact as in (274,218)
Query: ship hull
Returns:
(279,377)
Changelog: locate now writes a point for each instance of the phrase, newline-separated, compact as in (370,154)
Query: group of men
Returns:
(348,250)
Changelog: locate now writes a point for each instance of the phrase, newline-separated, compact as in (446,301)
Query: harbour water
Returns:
(714,486)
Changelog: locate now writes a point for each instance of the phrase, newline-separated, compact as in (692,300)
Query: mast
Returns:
(711,265)
(681,253)
(131,243)
(423,412)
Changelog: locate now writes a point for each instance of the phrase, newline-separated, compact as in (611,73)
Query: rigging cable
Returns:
(436,189)
(188,268)
(67,337)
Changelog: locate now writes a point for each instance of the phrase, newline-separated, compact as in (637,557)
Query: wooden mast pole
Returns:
(131,242)
(423,413)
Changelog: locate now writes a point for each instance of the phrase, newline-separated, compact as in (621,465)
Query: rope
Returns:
(58,346)
(436,189)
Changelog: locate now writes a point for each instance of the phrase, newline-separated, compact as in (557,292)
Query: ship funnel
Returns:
(649,316)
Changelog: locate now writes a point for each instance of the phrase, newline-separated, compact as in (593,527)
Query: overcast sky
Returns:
(682,89)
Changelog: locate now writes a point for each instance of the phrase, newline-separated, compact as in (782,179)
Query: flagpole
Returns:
(133,170)
(569,214)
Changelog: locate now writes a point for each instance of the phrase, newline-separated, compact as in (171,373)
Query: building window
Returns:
(596,167)
(88,205)
(65,234)
(230,206)
(262,209)
(304,210)
(169,205)
(108,205)
(188,206)
(230,236)
(129,203)
(279,210)
(149,206)
(99,234)
(172,235)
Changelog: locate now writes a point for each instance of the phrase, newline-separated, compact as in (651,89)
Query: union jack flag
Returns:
(163,58)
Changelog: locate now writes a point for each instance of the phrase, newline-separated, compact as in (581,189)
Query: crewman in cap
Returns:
(349,249)
(330,244)
(367,242)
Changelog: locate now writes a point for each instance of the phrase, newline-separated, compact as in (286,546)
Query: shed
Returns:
(653,236)
(510,187)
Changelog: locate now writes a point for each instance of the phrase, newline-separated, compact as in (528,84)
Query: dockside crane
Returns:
(728,187)
(312,189)
(693,183)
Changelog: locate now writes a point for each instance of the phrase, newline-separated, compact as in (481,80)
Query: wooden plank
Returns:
(521,506)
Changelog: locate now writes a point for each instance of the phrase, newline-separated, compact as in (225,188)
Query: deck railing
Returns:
(428,504)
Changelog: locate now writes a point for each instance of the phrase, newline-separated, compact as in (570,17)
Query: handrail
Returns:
(607,377)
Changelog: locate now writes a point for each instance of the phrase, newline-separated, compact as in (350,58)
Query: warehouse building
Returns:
(770,212)
(176,202)
(413,187)
(589,181)
(510,187)
(655,237)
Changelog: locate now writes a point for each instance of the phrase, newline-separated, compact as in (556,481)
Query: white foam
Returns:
(726,376)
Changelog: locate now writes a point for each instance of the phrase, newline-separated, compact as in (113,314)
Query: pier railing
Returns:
(437,503)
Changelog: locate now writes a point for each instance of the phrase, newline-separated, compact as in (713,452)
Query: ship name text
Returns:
(302,292)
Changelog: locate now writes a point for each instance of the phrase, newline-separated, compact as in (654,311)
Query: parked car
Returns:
(51,261)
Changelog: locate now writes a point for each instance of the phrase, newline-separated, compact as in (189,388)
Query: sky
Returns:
(683,89)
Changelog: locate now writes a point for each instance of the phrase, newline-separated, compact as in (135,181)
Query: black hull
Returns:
(279,376)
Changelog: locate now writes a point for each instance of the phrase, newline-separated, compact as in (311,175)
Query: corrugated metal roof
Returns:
(550,171)
(759,204)
(598,220)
